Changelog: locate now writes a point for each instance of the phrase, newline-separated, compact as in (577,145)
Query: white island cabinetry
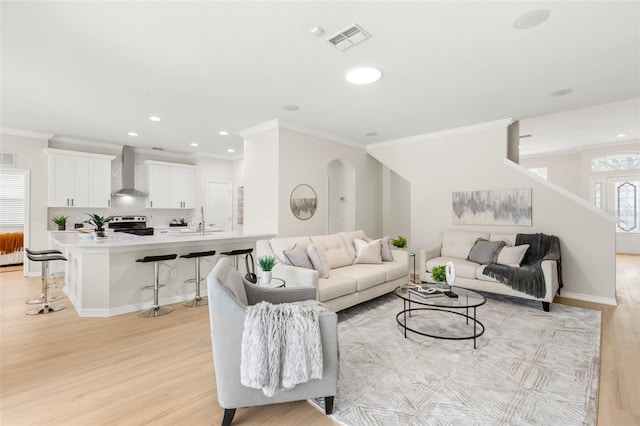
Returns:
(79,179)
(103,279)
(171,185)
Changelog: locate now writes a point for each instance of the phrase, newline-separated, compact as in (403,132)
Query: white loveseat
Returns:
(347,283)
(456,246)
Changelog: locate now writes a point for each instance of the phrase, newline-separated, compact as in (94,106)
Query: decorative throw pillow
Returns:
(512,256)
(297,256)
(318,260)
(485,252)
(368,252)
(386,249)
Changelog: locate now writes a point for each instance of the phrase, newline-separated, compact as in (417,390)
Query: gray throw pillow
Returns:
(485,252)
(297,256)
(386,249)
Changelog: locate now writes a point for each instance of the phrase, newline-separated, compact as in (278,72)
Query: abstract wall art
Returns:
(492,207)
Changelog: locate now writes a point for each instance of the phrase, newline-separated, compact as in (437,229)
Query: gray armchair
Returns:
(229,295)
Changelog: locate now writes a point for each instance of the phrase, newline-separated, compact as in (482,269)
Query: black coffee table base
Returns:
(478,327)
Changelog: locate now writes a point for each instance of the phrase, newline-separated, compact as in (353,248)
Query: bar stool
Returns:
(45,283)
(236,254)
(156,310)
(198,300)
(46,307)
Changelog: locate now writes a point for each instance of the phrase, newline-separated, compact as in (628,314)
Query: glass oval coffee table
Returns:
(465,300)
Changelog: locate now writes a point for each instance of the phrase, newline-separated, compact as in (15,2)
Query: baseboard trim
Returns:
(127,309)
(589,298)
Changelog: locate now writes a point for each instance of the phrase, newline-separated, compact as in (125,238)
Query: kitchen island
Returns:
(103,279)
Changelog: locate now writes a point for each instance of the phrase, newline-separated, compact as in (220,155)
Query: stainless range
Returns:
(136,225)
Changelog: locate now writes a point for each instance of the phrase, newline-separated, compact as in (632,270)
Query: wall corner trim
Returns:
(589,298)
(442,134)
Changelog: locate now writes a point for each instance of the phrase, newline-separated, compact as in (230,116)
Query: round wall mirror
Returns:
(303,202)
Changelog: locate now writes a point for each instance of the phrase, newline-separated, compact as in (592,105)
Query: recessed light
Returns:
(532,19)
(231,150)
(371,134)
(154,118)
(364,75)
(223,133)
(561,92)
(132,134)
(194,144)
(291,107)
(621,135)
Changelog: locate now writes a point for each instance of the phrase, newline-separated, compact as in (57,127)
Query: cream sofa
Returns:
(456,246)
(347,284)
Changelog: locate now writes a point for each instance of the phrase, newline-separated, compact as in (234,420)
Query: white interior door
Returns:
(622,195)
(218,210)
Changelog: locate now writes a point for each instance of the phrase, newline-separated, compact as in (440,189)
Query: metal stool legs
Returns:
(198,300)
(46,307)
(45,284)
(156,310)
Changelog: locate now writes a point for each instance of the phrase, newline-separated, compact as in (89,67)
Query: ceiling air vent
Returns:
(7,159)
(349,37)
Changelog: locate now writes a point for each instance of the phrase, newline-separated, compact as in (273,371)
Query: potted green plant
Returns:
(400,242)
(99,222)
(61,221)
(266,263)
(439,274)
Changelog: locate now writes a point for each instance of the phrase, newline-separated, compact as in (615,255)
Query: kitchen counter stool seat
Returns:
(46,307)
(156,310)
(236,254)
(198,300)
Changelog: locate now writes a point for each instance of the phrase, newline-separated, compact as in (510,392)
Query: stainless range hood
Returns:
(128,174)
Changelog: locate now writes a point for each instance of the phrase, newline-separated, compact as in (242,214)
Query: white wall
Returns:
(304,159)
(396,205)
(30,155)
(562,170)
(261,182)
(278,159)
(476,161)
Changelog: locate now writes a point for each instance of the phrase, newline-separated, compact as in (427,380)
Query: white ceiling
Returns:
(97,70)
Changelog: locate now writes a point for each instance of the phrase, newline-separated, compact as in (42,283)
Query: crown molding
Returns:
(26,133)
(321,135)
(271,124)
(442,134)
(85,142)
(580,149)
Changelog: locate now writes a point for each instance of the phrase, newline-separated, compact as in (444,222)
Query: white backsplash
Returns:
(122,206)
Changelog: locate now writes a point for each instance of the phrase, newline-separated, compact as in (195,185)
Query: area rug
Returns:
(530,367)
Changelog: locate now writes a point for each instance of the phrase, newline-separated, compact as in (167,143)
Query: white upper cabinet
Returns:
(171,185)
(79,179)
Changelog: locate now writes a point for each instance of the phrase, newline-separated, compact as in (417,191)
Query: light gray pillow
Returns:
(485,252)
(386,249)
(512,256)
(297,256)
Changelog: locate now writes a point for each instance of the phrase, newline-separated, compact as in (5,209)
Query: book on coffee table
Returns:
(417,295)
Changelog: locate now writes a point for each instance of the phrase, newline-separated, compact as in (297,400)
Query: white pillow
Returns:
(512,256)
(368,252)
(318,260)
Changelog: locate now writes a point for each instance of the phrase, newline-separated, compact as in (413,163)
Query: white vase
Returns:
(266,277)
(450,273)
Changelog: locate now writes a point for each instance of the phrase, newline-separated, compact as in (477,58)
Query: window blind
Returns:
(12,203)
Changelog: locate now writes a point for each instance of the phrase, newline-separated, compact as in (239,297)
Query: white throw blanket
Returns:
(281,345)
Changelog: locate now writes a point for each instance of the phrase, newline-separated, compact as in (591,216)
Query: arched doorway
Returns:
(342,197)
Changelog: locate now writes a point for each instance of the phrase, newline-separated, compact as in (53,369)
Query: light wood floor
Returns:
(60,369)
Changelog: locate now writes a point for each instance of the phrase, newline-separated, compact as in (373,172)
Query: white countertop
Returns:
(121,239)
